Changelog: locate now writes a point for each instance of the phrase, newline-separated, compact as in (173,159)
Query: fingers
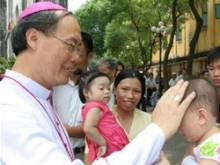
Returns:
(169,111)
(185,103)
(171,90)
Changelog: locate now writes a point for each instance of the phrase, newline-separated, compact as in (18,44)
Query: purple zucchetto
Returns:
(38,7)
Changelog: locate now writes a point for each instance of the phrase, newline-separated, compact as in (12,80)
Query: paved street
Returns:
(174,149)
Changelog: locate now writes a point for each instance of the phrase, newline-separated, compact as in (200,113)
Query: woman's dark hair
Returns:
(213,55)
(130,73)
(44,21)
(86,80)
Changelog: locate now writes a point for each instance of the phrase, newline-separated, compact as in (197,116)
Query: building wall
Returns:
(208,39)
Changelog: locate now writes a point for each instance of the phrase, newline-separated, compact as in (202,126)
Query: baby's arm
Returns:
(90,126)
(207,162)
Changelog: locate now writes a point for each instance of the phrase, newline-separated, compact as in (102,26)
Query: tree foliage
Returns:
(6,64)
(121,29)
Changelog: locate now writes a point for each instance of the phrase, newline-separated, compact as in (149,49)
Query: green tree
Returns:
(194,8)
(6,64)
(93,19)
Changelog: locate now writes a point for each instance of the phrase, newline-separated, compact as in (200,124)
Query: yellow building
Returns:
(208,39)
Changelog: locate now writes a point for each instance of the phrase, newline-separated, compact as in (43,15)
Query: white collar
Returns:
(35,88)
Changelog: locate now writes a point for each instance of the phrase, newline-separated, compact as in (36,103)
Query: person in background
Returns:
(184,74)
(66,99)
(47,43)
(205,73)
(173,79)
(214,70)
(129,88)
(121,67)
(150,84)
(109,66)
(154,97)
(179,76)
(104,135)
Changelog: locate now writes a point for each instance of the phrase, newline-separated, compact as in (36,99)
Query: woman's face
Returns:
(128,93)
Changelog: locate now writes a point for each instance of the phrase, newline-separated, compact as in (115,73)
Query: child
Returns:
(198,125)
(154,97)
(103,134)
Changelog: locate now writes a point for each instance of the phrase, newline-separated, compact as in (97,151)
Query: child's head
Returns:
(202,113)
(94,86)
(154,89)
(214,65)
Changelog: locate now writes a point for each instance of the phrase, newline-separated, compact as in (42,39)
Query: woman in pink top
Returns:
(103,133)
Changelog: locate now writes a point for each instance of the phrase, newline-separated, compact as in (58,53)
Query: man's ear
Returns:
(202,114)
(32,36)
(90,56)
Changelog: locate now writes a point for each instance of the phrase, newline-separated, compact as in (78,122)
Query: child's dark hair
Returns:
(206,94)
(86,80)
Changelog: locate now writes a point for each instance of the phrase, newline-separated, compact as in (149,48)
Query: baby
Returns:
(103,133)
(199,122)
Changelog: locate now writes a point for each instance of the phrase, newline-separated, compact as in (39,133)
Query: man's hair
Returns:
(213,55)
(111,63)
(85,81)
(87,41)
(44,21)
(206,94)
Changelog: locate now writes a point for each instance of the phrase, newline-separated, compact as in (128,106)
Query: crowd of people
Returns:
(55,111)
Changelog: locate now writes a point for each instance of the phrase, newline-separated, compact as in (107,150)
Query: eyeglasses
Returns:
(73,48)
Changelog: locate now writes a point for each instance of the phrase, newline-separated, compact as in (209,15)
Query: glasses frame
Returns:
(73,47)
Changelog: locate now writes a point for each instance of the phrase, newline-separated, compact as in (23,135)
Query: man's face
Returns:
(55,59)
(120,68)
(83,61)
(214,72)
(104,68)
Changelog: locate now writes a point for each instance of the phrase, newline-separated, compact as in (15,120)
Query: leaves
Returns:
(6,64)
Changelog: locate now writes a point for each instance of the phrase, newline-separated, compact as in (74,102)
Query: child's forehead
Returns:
(100,80)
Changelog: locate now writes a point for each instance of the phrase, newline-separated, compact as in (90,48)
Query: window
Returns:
(178,35)
(204,15)
(217,11)
(179,32)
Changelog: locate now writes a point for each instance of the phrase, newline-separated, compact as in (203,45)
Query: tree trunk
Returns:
(170,44)
(195,38)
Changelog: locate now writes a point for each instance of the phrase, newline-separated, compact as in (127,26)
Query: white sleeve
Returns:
(144,149)
(189,160)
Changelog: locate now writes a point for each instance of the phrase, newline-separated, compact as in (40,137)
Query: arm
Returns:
(207,161)
(75,131)
(145,149)
(90,126)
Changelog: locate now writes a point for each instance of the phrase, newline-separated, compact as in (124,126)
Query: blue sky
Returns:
(75,4)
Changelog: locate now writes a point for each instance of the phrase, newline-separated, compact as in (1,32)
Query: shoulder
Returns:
(142,115)
(95,104)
